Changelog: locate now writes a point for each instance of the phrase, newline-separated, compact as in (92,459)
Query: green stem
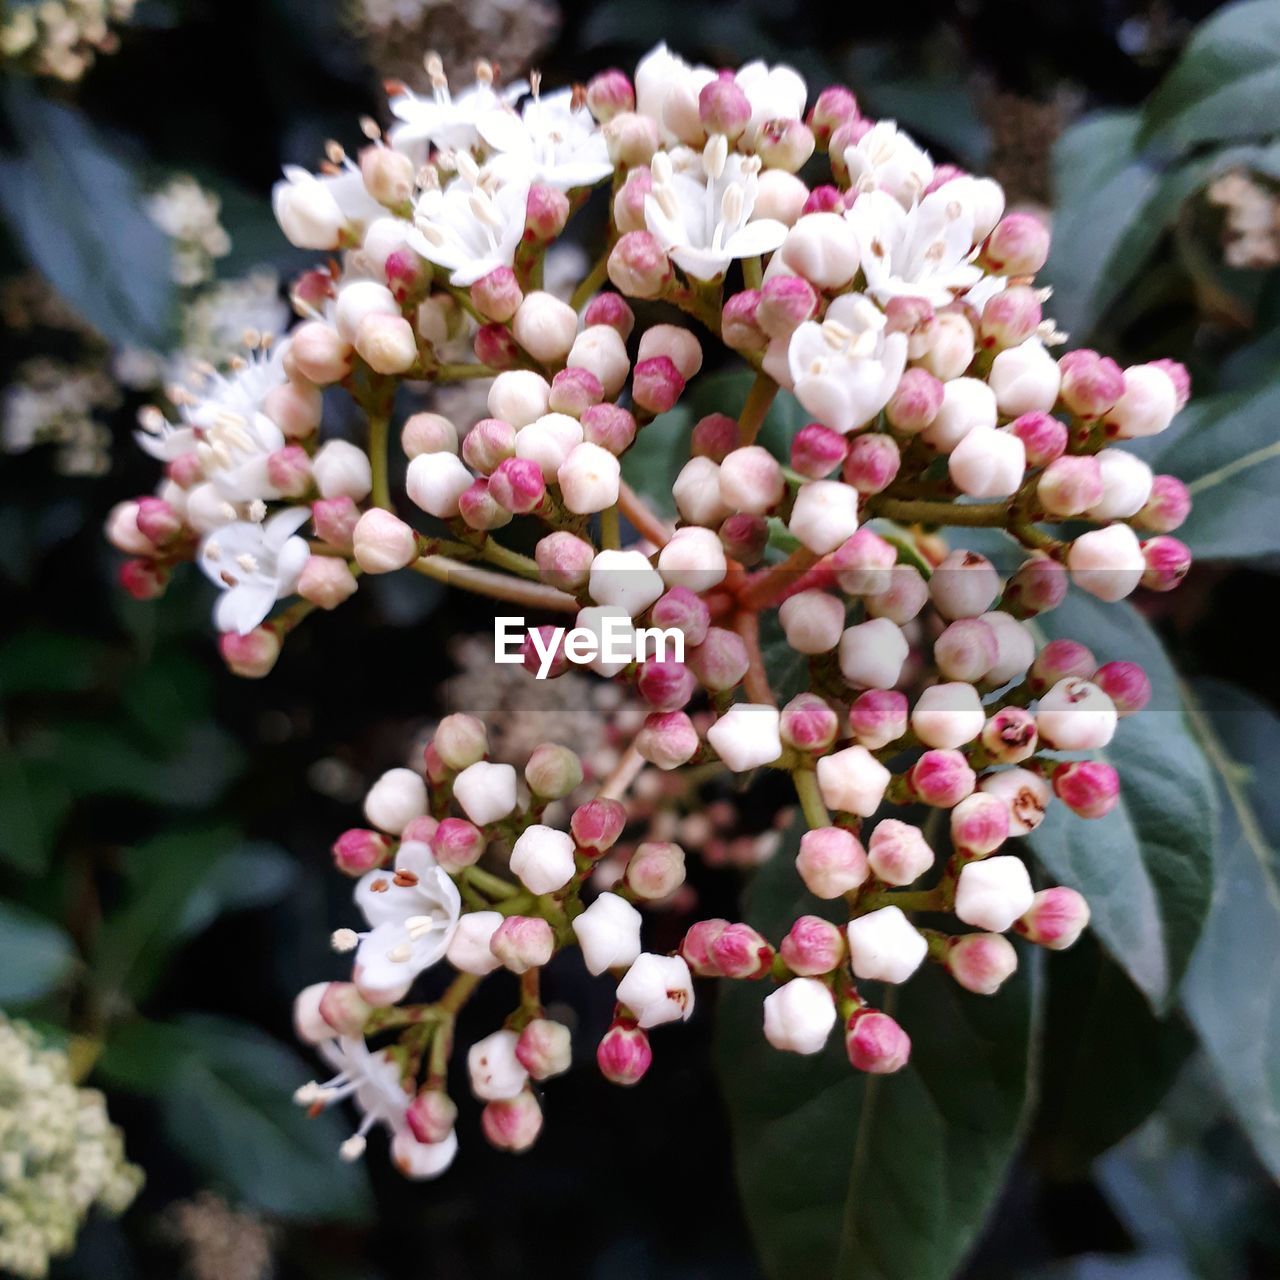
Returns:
(806,784)
(488,883)
(752,276)
(610,531)
(970,514)
(759,398)
(461,372)
(594,279)
(378,424)
(495,553)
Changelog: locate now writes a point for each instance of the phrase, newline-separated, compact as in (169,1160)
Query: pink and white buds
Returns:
(521,943)
(728,951)
(808,724)
(517,485)
(1025,379)
(456,844)
(545,327)
(1075,715)
(1107,563)
(833,107)
(1009,318)
(655,870)
(1126,485)
(431,1116)
(488,444)
(812,946)
(519,397)
(397,797)
(872,654)
(1168,506)
(335,521)
(383,542)
(993,893)
(1126,684)
(884,946)
(746,736)
(665,685)
(916,401)
(552,771)
(1043,437)
(852,781)
(825,513)
(589,479)
(469,949)
(786,302)
(941,779)
(326,581)
(1019,246)
(697,493)
(1039,584)
(898,853)
(608,933)
(1010,737)
(638,266)
(750,481)
(544,1048)
(631,139)
(548,441)
(486,792)
(1091,384)
(359,850)
(1168,562)
(876,1043)
(948,715)
(799,1015)
(420,1160)
(980,823)
(966,650)
(739,326)
(988,464)
(609,426)
(1058,660)
(831,862)
(812,621)
(597,824)
(784,144)
(495,1071)
(864,564)
(667,739)
(981,962)
(682,610)
(624,1055)
(498,295)
(948,345)
(625,580)
(1027,794)
(964,585)
(878,717)
(1056,918)
(967,405)
(1089,788)
(720,661)
(542,858)
(319,354)
(609,93)
(574,391)
(693,558)
(565,559)
(1070,485)
(657,989)
(873,462)
(514,1123)
(1148,404)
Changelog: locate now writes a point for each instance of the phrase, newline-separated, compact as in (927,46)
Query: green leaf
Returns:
(40,661)
(225,1092)
(651,465)
(1146,868)
(34,801)
(1226,84)
(35,955)
(1229,993)
(873,1177)
(102,254)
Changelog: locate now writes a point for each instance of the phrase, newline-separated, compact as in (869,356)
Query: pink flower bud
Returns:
(544,1048)
(1070,486)
(1168,506)
(808,724)
(517,486)
(547,642)
(552,771)
(123,532)
(723,107)
(898,852)
(720,661)
(326,581)
(251,656)
(714,437)
(863,563)
(1010,736)
(738,951)
(597,824)
(360,850)
(1126,684)
(288,471)
(942,778)
(497,295)
(610,310)
(383,542)
(825,199)
(521,943)
(1056,919)
(494,346)
(144,579)
(915,402)
(786,302)
(684,611)
(664,685)
(608,426)
(656,384)
(457,844)
(816,451)
(1089,788)
(1009,318)
(1039,584)
(638,266)
(489,443)
(1061,660)
(831,862)
(431,1116)
(575,391)
(745,537)
(479,509)
(159,524)
(784,144)
(878,717)
(833,107)
(812,947)
(624,1054)
(812,621)
(1168,562)
(407,275)
(628,204)
(655,870)
(428,433)
(631,139)
(981,962)
(342,1007)
(966,650)
(739,324)
(1019,246)
(335,521)
(512,1124)
(1178,375)
(873,462)
(695,947)
(979,823)
(1026,793)
(319,354)
(564,558)
(608,94)
(1091,384)
(546,212)
(1043,437)
(461,740)
(875,1043)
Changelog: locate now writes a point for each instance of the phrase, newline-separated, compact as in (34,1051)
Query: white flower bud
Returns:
(988,464)
(780,196)
(608,933)
(884,946)
(420,1160)
(812,621)
(1015,648)
(1027,795)
(697,493)
(468,949)
(747,736)
(495,1071)
(548,441)
(435,482)
(518,396)
(948,715)
(872,654)
(428,433)
(1107,563)
(824,515)
(594,620)
(308,1023)
(693,558)
(122,530)
(751,480)
(545,327)
(625,580)
(967,405)
(1075,715)
(387,344)
(993,893)
(357,301)
(589,477)
(542,858)
(383,542)
(823,248)
(1148,404)
(898,852)
(1126,484)
(342,471)
(382,238)
(393,802)
(964,585)
(657,989)
(799,1015)
(1025,379)
(852,781)
(306,210)
(678,344)
(486,792)
(601,350)
(950,346)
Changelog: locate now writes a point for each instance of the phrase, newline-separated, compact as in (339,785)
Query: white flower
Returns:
(495,1071)
(625,580)
(798,1017)
(550,141)
(852,781)
(824,515)
(886,159)
(747,736)
(373,1080)
(947,716)
(775,93)
(412,914)
(542,858)
(657,989)
(469,947)
(1076,715)
(667,89)
(845,368)
(884,946)
(609,934)
(468,228)
(920,252)
(993,893)
(702,215)
(443,120)
(872,654)
(398,796)
(486,791)
(255,565)
(314,211)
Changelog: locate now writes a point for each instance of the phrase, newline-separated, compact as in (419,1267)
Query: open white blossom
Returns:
(255,565)
(443,120)
(775,93)
(314,210)
(550,141)
(886,159)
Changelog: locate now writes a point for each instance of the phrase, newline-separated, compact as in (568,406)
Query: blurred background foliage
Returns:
(164,828)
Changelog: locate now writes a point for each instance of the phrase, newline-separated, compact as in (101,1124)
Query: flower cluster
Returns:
(59,1154)
(896,302)
(61,38)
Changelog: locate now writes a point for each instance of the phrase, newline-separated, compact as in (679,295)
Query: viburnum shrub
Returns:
(895,300)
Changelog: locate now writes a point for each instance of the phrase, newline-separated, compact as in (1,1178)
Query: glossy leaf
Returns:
(35,955)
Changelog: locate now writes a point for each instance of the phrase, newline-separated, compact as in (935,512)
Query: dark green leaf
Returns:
(873,1177)
(651,465)
(1146,868)
(35,955)
(226,1096)
(34,800)
(38,661)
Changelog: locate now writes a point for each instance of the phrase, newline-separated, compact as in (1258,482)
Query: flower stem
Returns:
(759,398)
(643,520)
(969,514)
(505,558)
(756,682)
(806,784)
(752,276)
(378,423)
(765,587)
(610,533)
(623,775)
(497,586)
(488,883)
(593,280)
